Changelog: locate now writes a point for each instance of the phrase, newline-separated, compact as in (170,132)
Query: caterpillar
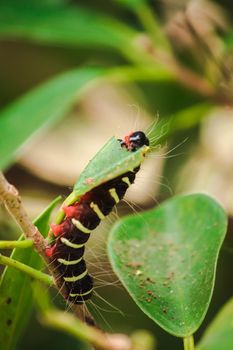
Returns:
(66,251)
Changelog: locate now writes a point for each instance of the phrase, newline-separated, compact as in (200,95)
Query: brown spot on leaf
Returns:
(89,181)
(170,275)
(149,280)
(9,322)
(151,293)
(149,300)
(134,265)
(8,300)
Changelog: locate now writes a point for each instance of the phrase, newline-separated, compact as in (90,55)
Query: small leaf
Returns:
(15,288)
(40,107)
(166,258)
(219,334)
(111,161)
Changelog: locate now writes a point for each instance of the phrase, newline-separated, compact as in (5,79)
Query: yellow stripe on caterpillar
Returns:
(126,180)
(114,195)
(80,226)
(70,244)
(69,262)
(73,295)
(75,278)
(97,210)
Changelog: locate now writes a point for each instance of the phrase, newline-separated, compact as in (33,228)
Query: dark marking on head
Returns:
(134,141)
(9,322)
(137,140)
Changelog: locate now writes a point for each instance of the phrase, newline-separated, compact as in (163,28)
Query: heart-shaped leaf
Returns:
(166,259)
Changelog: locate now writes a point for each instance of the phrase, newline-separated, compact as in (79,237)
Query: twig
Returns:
(192,80)
(150,22)
(66,322)
(38,275)
(182,74)
(10,197)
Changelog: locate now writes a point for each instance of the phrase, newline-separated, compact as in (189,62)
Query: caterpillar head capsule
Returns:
(134,141)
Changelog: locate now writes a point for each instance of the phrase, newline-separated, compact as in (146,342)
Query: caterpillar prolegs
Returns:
(81,218)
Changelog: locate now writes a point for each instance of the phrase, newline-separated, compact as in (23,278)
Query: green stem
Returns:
(38,275)
(189,343)
(68,323)
(68,201)
(16,244)
(152,26)
(155,73)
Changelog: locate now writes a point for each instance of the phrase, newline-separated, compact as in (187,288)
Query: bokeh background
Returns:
(195,157)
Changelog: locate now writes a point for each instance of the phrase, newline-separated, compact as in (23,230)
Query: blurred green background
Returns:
(39,41)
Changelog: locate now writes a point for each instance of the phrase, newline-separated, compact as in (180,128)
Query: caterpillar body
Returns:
(81,218)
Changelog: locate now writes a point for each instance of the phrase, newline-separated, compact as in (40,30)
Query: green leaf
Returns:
(166,259)
(219,334)
(72,26)
(132,3)
(40,107)
(111,161)
(35,3)
(15,288)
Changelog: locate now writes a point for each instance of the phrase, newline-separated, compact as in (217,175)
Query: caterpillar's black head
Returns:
(134,141)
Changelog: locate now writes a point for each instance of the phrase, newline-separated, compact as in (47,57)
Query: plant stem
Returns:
(35,274)
(152,26)
(189,343)
(10,197)
(16,244)
(184,75)
(68,323)
(155,73)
